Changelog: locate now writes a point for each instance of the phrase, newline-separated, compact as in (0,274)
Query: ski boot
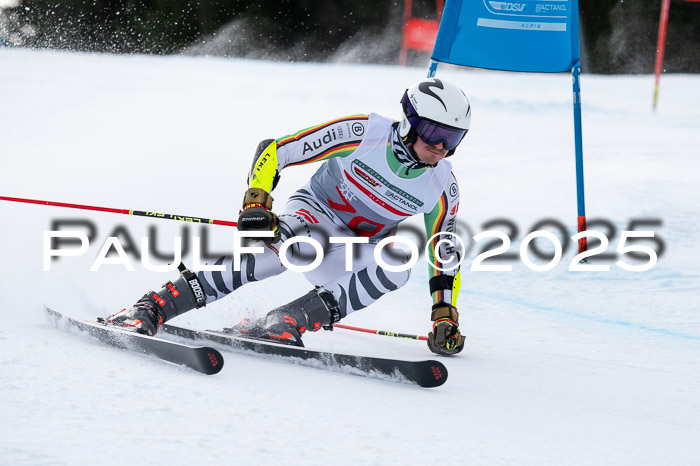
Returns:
(154,309)
(286,324)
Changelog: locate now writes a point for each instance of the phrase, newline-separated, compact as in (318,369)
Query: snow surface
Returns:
(560,367)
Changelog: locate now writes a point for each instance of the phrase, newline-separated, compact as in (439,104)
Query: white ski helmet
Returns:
(436,111)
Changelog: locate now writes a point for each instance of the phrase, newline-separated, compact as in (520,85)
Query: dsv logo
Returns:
(508,6)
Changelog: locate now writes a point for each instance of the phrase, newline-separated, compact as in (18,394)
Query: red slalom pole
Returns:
(660,45)
(181,218)
(382,332)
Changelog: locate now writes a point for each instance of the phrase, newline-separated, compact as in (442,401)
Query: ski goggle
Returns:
(432,132)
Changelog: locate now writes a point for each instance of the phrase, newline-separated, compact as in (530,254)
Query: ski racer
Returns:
(375,172)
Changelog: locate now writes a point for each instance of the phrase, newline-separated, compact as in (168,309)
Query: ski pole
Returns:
(382,332)
(182,218)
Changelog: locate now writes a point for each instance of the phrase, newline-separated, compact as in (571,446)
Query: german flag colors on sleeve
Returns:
(440,223)
(335,138)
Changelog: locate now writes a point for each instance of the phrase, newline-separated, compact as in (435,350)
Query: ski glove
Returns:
(445,337)
(257,216)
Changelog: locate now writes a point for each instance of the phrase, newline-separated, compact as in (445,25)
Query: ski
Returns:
(428,373)
(202,359)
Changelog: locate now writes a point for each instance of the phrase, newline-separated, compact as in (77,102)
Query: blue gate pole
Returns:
(432,68)
(576,73)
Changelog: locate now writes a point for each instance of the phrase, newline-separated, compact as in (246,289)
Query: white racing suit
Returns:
(366,185)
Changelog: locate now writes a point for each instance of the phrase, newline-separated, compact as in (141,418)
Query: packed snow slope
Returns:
(560,367)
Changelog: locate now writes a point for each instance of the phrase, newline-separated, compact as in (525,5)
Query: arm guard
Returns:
(264,173)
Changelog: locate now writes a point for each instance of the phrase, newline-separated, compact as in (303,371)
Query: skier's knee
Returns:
(389,278)
(392,280)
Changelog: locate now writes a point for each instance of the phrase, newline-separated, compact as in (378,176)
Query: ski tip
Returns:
(214,361)
(437,375)
(54,315)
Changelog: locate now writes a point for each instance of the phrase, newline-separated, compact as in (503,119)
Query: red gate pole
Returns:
(660,45)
